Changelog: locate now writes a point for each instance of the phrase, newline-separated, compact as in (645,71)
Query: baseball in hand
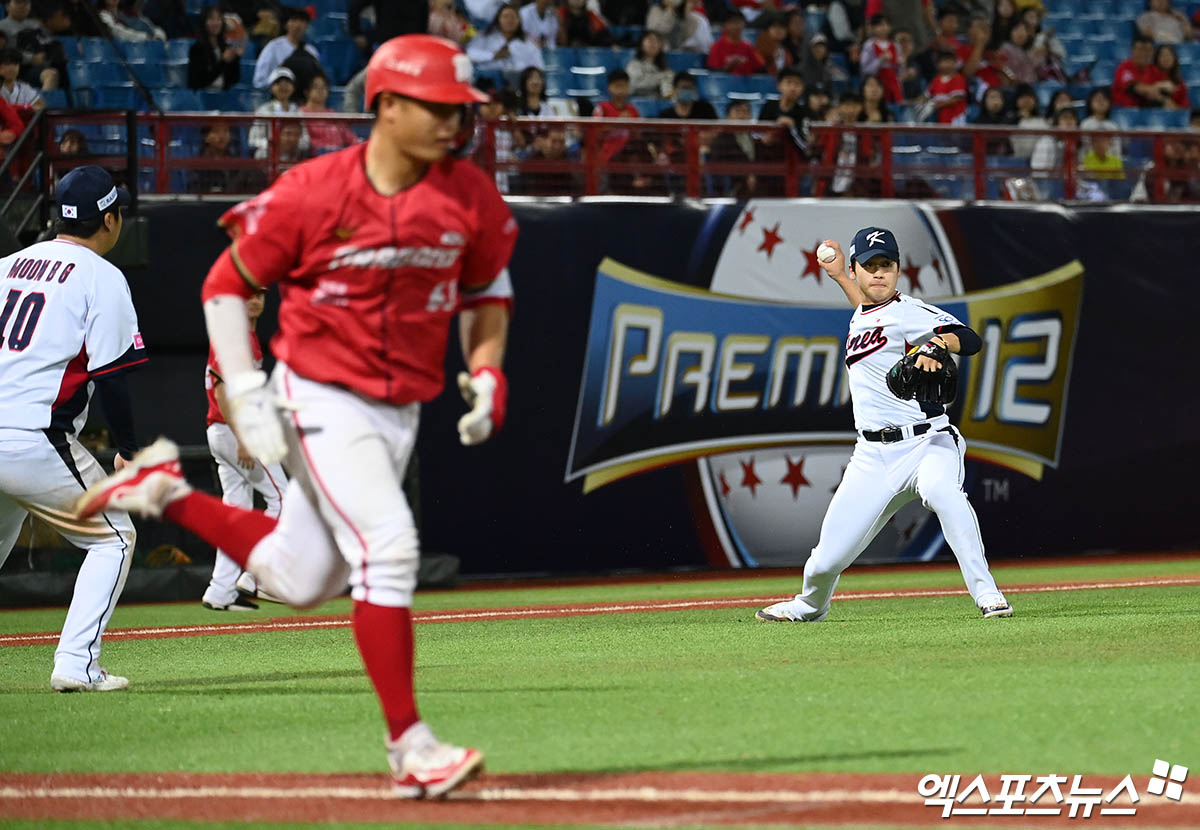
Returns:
(826,254)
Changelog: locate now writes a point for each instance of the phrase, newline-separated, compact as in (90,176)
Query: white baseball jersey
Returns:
(66,316)
(880,335)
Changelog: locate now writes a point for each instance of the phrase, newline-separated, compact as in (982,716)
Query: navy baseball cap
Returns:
(871,242)
(86,192)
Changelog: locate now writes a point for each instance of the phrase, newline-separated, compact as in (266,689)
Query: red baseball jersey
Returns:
(369,283)
(943,89)
(212,375)
(1127,75)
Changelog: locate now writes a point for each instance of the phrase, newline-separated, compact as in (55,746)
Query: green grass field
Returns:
(1094,681)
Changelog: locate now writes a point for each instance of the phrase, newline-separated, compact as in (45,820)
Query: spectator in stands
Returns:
(818,67)
(980,62)
(579,26)
(283,86)
(1059,99)
(293,143)
(503,45)
(1049,150)
(1025,103)
(283,48)
(217,145)
(125,21)
(1167,60)
(1138,82)
(540,21)
(72,143)
(212,62)
(171,16)
(444,21)
(1002,22)
(16,92)
(948,91)
(686,101)
(38,50)
(549,145)
(1164,24)
(1101,161)
(1181,163)
(682,25)
(617,106)
(795,42)
(908,70)
(994,112)
(736,147)
(392,19)
(324,136)
(769,43)
(1099,117)
(946,35)
(731,53)
(1018,61)
(266,27)
(649,74)
(11,126)
(881,57)
(845,21)
(915,15)
(848,111)
(788,110)
(1049,54)
(874,98)
(531,94)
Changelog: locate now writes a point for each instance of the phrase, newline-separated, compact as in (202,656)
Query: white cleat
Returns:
(1000,609)
(424,767)
(248,586)
(151,481)
(106,683)
(786,611)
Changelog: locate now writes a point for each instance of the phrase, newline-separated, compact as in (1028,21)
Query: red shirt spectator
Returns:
(731,53)
(1134,82)
(948,91)
(617,106)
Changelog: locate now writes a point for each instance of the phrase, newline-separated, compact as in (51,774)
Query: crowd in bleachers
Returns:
(1095,64)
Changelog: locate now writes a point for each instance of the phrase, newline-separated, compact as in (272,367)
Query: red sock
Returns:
(232,529)
(385,641)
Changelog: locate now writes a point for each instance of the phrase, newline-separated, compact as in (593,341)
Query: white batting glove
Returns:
(256,416)
(486,392)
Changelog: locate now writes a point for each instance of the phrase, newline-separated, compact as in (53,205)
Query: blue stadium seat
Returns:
(648,107)
(1194,96)
(814,19)
(340,58)
(684,61)
(588,77)
(115,97)
(325,7)
(602,56)
(1125,117)
(1102,73)
(1191,74)
(70,46)
(1165,119)
(177,50)
(56,99)
(329,26)
(248,100)
(1119,30)
(95,49)
(762,84)
(176,73)
(91,75)
(563,58)
(1045,90)
(147,51)
(248,68)
(221,99)
(556,81)
(178,100)
(150,74)
(1189,53)
(718,85)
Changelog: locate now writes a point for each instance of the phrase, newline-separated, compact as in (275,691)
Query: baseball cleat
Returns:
(424,767)
(151,481)
(240,603)
(785,612)
(106,683)
(248,586)
(1002,609)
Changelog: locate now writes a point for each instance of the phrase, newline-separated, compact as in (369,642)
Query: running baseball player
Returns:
(375,248)
(906,449)
(241,476)
(67,329)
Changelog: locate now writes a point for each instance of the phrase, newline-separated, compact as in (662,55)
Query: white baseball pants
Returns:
(238,486)
(44,473)
(880,479)
(344,516)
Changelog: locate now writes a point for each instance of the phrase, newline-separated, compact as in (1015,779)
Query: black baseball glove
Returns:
(907,382)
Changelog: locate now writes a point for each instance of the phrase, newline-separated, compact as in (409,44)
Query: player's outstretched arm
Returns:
(483,330)
(836,268)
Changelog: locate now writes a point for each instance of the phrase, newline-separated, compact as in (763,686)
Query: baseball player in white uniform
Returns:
(68,328)
(905,449)
(241,476)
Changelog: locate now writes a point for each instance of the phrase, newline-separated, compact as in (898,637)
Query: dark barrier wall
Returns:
(1081,425)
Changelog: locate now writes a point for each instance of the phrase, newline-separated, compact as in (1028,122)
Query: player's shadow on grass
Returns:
(251,684)
(475,690)
(784,764)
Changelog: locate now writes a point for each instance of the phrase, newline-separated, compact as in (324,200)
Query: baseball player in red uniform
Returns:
(375,248)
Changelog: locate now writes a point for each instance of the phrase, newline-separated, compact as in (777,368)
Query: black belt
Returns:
(894,434)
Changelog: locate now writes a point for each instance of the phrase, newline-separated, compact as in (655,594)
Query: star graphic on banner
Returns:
(747,219)
(795,476)
(812,265)
(724,484)
(833,489)
(937,268)
(749,479)
(913,272)
(771,238)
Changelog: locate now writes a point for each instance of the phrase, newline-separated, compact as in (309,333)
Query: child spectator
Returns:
(736,147)
(1049,150)
(503,44)
(20,95)
(945,36)
(795,42)
(127,23)
(788,111)
(682,25)
(731,53)
(1099,117)
(283,87)
(1138,82)
(881,57)
(994,112)
(818,67)
(1163,24)
(445,21)
(324,136)
(1167,60)
(212,62)
(649,74)
(1028,118)
(577,26)
(617,106)
(539,19)
(948,91)
(686,101)
(1101,161)
(769,44)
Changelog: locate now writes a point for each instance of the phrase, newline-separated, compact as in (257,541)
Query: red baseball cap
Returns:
(424,67)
